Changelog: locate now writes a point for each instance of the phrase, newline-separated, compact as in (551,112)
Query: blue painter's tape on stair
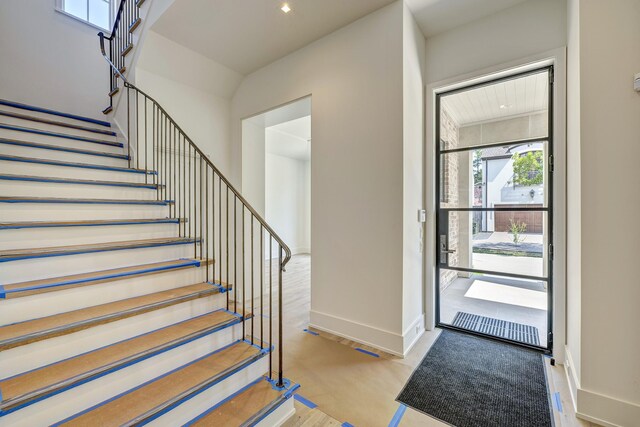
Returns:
(192,338)
(101,224)
(370,353)
(61,135)
(222,402)
(397,417)
(53,112)
(78,182)
(73,165)
(168,408)
(97,250)
(346,424)
(557,401)
(304,401)
(311,332)
(63,149)
(87,201)
(106,276)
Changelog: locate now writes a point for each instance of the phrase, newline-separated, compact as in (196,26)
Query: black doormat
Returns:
(467,381)
(500,328)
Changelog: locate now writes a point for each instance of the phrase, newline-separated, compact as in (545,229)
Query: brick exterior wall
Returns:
(449,194)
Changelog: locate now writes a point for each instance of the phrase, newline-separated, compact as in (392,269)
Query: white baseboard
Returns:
(598,408)
(606,410)
(387,341)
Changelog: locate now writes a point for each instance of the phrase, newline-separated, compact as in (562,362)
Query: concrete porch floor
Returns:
(519,301)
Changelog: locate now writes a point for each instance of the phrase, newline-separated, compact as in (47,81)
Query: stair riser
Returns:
(278,417)
(41,268)
(54,128)
(74,400)
(56,117)
(60,141)
(66,236)
(203,401)
(11,212)
(47,304)
(72,191)
(41,353)
(16,150)
(34,169)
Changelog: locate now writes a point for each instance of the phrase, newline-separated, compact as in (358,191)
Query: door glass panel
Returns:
(502,306)
(508,110)
(493,263)
(494,177)
(511,242)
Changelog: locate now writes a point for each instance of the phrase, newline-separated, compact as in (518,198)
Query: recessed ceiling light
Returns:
(285,8)
(503,106)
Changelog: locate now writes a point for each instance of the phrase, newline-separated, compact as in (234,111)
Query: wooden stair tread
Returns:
(21,159)
(142,403)
(12,254)
(23,388)
(56,123)
(12,199)
(241,407)
(22,333)
(95,222)
(37,109)
(30,144)
(77,181)
(61,135)
(21,289)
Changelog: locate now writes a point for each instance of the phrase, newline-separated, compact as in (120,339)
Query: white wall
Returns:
(520,31)
(355,76)
(51,60)
(527,33)
(194,90)
(413,65)
(574,199)
(608,131)
(287,193)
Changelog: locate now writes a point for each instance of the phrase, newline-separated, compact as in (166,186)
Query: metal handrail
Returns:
(156,139)
(262,221)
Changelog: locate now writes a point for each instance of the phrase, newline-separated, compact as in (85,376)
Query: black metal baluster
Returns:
(253,311)
(226,203)
(270,305)
(219,228)
(244,312)
(128,128)
(235,256)
(280,382)
(261,286)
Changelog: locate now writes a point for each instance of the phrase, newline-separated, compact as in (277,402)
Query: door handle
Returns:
(448,251)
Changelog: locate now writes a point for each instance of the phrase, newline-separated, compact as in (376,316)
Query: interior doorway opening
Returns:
(276,179)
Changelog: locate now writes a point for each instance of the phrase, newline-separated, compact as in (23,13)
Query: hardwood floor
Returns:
(354,387)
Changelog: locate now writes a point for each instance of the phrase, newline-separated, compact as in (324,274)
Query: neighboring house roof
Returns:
(496,153)
(503,152)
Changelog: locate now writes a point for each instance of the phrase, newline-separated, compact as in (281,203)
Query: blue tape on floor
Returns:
(3,295)
(370,353)
(557,401)
(304,401)
(311,332)
(397,416)
(345,424)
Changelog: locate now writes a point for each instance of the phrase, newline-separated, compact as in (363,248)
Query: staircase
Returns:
(137,286)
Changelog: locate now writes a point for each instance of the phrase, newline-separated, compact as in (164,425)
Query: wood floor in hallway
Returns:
(353,387)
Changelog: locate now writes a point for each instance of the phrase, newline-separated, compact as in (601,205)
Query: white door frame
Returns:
(557,58)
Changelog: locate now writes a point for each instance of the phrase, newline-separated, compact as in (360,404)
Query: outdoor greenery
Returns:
(516,228)
(527,168)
